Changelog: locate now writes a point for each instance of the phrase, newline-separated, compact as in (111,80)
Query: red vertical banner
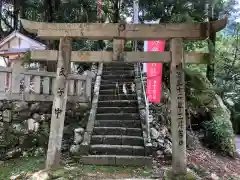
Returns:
(154,73)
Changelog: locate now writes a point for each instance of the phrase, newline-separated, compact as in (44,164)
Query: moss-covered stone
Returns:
(169,175)
(29,126)
(219,130)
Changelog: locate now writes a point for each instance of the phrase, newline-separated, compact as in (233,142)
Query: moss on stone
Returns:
(168,175)
(219,130)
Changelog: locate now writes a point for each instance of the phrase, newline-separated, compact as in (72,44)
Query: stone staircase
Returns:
(117,136)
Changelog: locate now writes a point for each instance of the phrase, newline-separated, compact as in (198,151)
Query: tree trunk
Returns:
(56,18)
(16,7)
(49,17)
(49,11)
(210,66)
(56,10)
(116,11)
(1,29)
(211,45)
(22,14)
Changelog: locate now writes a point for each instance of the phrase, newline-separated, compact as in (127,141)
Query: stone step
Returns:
(117,97)
(119,86)
(117,160)
(119,78)
(118,103)
(104,149)
(117,67)
(117,116)
(117,140)
(118,123)
(105,82)
(115,81)
(131,66)
(114,92)
(117,131)
(118,72)
(117,110)
(118,64)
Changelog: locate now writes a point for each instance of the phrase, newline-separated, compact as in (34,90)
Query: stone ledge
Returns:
(85,145)
(99,160)
(141,106)
(134,161)
(117,160)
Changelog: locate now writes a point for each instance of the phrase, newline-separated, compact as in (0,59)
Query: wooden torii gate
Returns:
(118,32)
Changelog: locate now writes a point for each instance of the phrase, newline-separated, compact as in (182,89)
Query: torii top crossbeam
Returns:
(120,32)
(101,31)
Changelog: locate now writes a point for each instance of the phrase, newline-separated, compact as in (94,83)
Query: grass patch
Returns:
(79,170)
(133,171)
(16,166)
(70,171)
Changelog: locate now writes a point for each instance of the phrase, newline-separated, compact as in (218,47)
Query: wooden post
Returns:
(118,44)
(2,82)
(59,104)
(118,48)
(178,116)
(16,76)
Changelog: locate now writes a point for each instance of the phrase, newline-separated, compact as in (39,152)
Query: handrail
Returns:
(139,71)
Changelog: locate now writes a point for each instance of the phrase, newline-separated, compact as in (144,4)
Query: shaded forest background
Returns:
(223,72)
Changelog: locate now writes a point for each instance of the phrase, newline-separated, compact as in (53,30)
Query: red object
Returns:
(154,73)
(99,9)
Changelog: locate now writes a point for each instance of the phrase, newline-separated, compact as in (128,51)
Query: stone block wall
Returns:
(25,126)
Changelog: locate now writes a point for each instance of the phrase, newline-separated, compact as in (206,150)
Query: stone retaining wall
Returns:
(159,121)
(24,127)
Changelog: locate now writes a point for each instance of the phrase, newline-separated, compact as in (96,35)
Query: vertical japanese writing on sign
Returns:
(154,89)
(180,104)
(154,72)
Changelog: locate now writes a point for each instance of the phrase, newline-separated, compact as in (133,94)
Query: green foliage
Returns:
(27,58)
(14,167)
(219,131)
(219,134)
(26,166)
(228,75)
(227,65)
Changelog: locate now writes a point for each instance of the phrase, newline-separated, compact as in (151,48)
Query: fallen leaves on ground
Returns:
(223,166)
(212,164)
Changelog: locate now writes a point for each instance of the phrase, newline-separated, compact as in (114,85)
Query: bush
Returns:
(218,127)
(219,135)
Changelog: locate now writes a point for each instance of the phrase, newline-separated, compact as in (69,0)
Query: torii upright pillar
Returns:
(60,92)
